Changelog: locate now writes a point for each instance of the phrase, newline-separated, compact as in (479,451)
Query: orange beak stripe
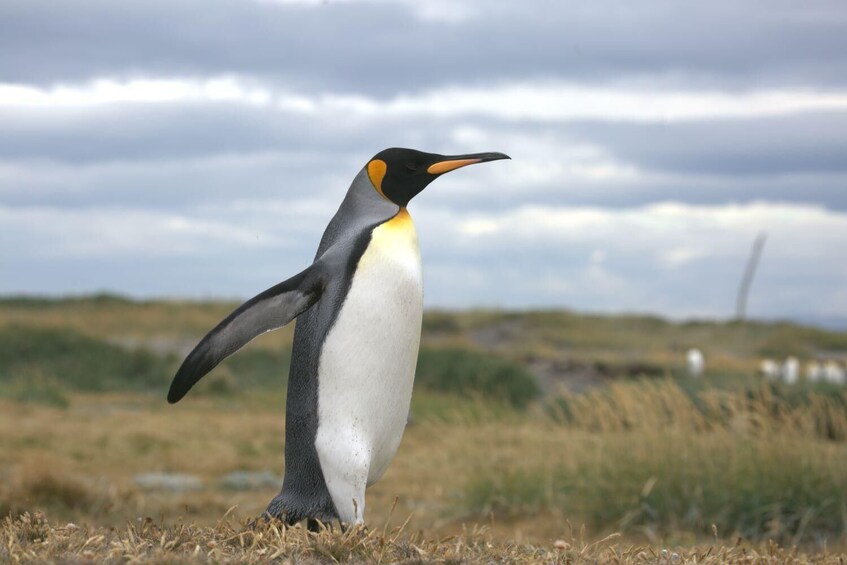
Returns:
(446,166)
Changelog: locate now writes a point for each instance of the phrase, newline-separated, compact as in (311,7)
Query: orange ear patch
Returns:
(376,172)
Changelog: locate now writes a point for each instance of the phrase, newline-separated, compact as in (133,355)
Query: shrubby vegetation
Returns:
(35,359)
(42,364)
(471,373)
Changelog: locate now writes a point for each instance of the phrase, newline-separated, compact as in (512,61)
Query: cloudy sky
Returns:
(198,148)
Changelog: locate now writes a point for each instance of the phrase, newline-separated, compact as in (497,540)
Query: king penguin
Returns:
(359,310)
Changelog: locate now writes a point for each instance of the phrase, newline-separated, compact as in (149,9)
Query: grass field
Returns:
(525,428)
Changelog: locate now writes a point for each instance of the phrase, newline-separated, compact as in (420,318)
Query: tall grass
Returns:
(670,481)
(647,457)
(765,410)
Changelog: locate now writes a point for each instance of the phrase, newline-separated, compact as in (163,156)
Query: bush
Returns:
(77,361)
(472,373)
(260,367)
(250,368)
(440,322)
(33,386)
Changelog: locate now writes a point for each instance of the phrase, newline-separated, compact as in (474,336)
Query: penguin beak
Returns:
(450,163)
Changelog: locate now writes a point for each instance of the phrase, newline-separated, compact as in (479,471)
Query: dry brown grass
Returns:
(522,474)
(33,539)
(662,404)
(477,482)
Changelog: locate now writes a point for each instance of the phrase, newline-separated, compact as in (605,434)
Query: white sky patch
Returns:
(544,101)
(561,102)
(428,10)
(541,158)
(142,91)
(481,227)
(597,257)
(441,10)
(672,235)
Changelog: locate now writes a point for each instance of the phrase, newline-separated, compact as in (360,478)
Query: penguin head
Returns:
(400,174)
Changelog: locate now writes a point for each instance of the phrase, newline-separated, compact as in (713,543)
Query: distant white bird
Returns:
(769,369)
(834,373)
(791,370)
(695,362)
(814,372)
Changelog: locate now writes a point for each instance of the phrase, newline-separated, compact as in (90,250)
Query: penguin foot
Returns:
(277,510)
(257,522)
(264,519)
(315,525)
(289,512)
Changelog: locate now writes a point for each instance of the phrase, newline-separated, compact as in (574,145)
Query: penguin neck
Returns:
(395,240)
(362,200)
(362,208)
(401,220)
(399,226)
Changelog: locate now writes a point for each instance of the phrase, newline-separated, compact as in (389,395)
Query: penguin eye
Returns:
(410,167)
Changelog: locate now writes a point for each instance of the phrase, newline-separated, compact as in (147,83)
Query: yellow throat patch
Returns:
(396,239)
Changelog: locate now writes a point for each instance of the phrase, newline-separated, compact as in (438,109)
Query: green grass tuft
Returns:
(648,456)
(33,386)
(670,481)
(75,361)
(471,373)
(260,367)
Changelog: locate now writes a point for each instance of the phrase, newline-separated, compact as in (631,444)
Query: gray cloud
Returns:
(382,48)
(796,143)
(128,132)
(610,203)
(176,156)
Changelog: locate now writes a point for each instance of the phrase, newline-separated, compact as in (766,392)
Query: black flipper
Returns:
(267,311)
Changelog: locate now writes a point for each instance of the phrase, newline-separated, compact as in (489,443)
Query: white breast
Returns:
(367,366)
